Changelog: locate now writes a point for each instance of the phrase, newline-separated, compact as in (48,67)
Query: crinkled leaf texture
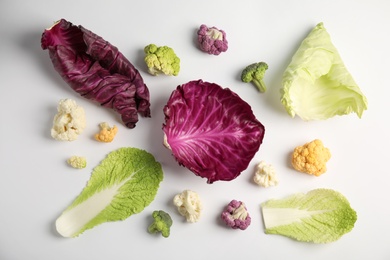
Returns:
(316,84)
(211,130)
(319,216)
(123,184)
(97,70)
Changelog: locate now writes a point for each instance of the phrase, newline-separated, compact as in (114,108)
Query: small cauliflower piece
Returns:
(189,205)
(77,162)
(265,175)
(212,40)
(107,133)
(236,215)
(69,122)
(311,158)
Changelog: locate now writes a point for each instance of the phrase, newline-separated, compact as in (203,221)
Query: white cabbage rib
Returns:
(73,220)
(274,217)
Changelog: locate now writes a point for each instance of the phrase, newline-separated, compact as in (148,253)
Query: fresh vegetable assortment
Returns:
(209,129)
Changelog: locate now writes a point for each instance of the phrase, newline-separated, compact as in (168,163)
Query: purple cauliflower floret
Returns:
(212,40)
(236,215)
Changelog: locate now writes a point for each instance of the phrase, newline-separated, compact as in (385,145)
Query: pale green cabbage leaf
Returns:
(316,84)
(123,184)
(319,216)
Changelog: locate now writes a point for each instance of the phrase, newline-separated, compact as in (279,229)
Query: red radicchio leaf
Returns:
(97,70)
(211,130)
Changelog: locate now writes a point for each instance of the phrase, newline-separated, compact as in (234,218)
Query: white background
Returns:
(36,184)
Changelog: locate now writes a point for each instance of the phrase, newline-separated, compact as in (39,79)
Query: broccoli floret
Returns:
(161,60)
(255,73)
(162,223)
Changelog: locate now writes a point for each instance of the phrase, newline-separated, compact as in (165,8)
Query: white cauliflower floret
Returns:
(69,122)
(189,205)
(265,175)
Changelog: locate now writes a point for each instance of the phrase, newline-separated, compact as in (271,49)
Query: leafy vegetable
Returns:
(97,70)
(161,60)
(319,216)
(255,73)
(211,130)
(316,84)
(212,40)
(162,223)
(123,184)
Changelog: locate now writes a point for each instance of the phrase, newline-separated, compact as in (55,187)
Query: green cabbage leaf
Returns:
(316,84)
(123,184)
(319,216)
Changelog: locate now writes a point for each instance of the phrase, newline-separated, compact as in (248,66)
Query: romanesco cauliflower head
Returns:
(69,122)
(161,60)
(189,205)
(265,175)
(311,158)
(107,133)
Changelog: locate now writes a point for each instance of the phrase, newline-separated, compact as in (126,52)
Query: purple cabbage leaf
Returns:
(97,70)
(211,130)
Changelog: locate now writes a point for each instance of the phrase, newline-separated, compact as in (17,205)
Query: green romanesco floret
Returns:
(255,73)
(162,223)
(161,60)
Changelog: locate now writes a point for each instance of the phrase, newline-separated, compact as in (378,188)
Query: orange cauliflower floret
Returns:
(311,158)
(106,133)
